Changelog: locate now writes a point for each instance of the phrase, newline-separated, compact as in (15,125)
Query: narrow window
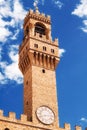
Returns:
(52,50)
(44,48)
(27,103)
(36,45)
(30,118)
(26,82)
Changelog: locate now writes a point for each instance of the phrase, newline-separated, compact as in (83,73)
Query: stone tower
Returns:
(38,58)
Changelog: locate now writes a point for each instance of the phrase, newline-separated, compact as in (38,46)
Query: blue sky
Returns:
(69,25)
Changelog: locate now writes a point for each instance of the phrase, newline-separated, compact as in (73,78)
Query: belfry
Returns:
(38,59)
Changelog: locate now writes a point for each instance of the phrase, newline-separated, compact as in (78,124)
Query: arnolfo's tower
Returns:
(38,58)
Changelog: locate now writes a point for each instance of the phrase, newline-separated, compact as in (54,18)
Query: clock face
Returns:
(45,115)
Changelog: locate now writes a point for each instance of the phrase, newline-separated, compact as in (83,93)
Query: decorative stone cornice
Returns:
(37,16)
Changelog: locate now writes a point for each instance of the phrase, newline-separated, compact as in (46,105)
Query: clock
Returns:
(45,115)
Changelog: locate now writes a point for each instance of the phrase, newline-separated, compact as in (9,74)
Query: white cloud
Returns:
(85,22)
(18,11)
(83,119)
(14,37)
(11,71)
(61,52)
(81,11)
(3,64)
(4,34)
(1,76)
(0,53)
(12,14)
(5,8)
(2,79)
(58,3)
(84,28)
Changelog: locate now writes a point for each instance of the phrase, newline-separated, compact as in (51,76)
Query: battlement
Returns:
(55,42)
(38,16)
(11,118)
(68,127)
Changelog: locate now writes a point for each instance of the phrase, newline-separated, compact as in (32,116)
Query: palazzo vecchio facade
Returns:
(38,59)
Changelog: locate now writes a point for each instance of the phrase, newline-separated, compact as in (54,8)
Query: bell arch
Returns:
(40,28)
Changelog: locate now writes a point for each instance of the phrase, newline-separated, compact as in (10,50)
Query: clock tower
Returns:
(38,59)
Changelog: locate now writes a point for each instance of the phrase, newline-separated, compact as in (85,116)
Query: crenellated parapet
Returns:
(68,127)
(12,117)
(78,128)
(12,122)
(37,16)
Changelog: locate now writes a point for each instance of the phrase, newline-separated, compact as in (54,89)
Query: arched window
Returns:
(39,28)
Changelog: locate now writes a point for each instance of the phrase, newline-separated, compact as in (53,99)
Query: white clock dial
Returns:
(45,115)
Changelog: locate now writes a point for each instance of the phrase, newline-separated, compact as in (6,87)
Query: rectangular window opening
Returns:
(52,50)
(36,45)
(44,48)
